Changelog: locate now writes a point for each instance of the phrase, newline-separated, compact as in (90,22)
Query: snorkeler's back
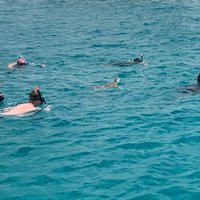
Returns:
(21,109)
(19,63)
(35,99)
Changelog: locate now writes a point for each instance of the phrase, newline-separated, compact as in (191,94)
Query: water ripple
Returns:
(138,141)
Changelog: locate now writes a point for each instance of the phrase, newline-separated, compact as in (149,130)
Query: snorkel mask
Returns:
(36,95)
(117,80)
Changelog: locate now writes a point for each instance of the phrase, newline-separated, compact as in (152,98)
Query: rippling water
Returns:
(138,141)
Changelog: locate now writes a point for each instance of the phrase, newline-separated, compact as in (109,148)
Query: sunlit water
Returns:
(138,141)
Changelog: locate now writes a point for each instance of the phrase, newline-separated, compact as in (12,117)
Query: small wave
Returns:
(23,151)
(48,108)
(38,65)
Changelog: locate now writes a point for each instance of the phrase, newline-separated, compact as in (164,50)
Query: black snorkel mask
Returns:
(42,100)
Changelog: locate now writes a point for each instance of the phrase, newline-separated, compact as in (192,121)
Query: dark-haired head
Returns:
(35,98)
(138,60)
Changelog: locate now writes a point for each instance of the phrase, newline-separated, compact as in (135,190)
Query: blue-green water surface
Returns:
(139,141)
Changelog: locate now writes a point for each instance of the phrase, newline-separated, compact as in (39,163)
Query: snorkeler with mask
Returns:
(131,62)
(137,60)
(21,62)
(192,88)
(35,100)
(113,84)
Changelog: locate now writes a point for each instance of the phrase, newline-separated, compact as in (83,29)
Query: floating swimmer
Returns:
(21,62)
(192,88)
(35,99)
(137,60)
(131,62)
(113,84)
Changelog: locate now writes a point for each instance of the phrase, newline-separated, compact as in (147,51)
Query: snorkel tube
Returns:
(40,95)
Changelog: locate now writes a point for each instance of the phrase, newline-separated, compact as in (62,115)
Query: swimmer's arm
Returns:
(12,65)
(99,87)
(116,85)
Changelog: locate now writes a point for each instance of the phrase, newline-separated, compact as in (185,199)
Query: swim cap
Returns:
(21,61)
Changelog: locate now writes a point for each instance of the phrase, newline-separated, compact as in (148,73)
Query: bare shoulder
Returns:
(12,65)
(20,109)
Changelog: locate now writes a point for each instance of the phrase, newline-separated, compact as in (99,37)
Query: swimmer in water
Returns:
(21,62)
(131,62)
(113,84)
(137,60)
(35,99)
(192,88)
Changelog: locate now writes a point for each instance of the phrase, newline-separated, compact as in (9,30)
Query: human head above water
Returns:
(117,80)
(21,61)
(35,97)
(138,60)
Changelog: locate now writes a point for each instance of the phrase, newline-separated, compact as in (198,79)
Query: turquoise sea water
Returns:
(139,141)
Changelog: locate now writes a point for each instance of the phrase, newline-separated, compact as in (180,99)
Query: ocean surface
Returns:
(140,141)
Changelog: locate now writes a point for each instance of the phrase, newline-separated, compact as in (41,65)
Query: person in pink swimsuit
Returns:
(21,62)
(35,99)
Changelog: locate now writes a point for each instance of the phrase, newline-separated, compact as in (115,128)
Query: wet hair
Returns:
(34,96)
(137,60)
(1,97)
(198,78)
